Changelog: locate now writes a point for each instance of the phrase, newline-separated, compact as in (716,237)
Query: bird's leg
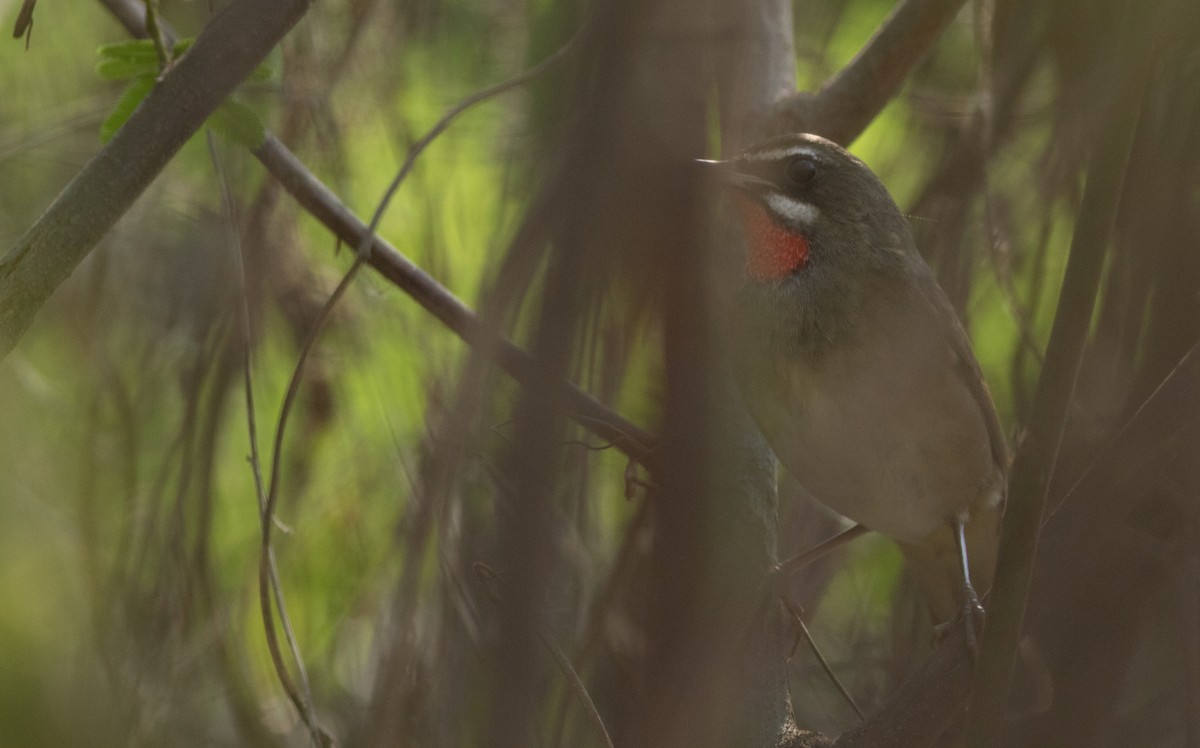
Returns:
(972,610)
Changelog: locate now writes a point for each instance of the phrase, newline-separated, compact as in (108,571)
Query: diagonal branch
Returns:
(231,45)
(268,574)
(319,201)
(315,197)
(853,97)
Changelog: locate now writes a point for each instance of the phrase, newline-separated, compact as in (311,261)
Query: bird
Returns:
(855,367)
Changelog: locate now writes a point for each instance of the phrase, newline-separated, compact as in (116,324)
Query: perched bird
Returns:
(856,369)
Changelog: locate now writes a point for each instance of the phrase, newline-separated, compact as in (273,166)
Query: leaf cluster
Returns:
(140,63)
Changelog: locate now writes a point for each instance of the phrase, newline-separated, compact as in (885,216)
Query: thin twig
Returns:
(362,256)
(301,697)
(266,590)
(449,309)
(798,619)
(577,687)
(415,150)
(325,206)
(589,447)
(368,240)
(490,579)
(603,602)
(1119,448)
(799,561)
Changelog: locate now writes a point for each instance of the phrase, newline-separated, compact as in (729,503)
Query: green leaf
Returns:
(120,69)
(238,123)
(138,60)
(126,60)
(132,59)
(129,101)
(138,50)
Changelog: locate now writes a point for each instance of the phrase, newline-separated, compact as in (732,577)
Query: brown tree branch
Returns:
(268,574)
(229,48)
(848,102)
(318,200)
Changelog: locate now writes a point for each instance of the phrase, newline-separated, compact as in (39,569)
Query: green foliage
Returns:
(131,98)
(122,69)
(100,457)
(138,61)
(131,50)
(135,58)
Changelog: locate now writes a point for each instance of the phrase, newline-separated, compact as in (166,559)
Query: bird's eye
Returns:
(800,171)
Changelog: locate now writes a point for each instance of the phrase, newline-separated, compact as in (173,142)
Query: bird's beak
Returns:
(729,175)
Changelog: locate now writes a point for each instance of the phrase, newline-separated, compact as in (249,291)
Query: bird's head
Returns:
(804,200)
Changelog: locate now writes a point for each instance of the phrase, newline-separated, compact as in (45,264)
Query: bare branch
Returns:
(575,683)
(802,630)
(1155,422)
(229,48)
(268,575)
(315,197)
(801,560)
(848,102)
(301,696)
(439,301)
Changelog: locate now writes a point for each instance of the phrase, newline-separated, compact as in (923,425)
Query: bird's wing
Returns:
(972,376)
(968,369)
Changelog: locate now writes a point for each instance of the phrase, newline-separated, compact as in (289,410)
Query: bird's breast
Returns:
(879,429)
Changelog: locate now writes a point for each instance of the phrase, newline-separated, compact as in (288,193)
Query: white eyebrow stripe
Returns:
(805,214)
(782,153)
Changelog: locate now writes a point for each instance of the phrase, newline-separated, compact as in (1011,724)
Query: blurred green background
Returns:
(129,532)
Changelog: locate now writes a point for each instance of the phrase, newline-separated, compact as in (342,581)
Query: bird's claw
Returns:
(972,620)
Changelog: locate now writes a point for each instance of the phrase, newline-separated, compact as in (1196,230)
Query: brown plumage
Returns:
(856,369)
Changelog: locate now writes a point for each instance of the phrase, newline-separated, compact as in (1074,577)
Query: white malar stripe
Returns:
(805,214)
(780,154)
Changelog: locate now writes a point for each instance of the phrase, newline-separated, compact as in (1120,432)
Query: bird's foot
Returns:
(970,617)
(972,620)
(972,611)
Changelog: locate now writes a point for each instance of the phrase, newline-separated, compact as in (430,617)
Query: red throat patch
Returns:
(772,252)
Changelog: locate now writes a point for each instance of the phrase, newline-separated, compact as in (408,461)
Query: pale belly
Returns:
(901,448)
